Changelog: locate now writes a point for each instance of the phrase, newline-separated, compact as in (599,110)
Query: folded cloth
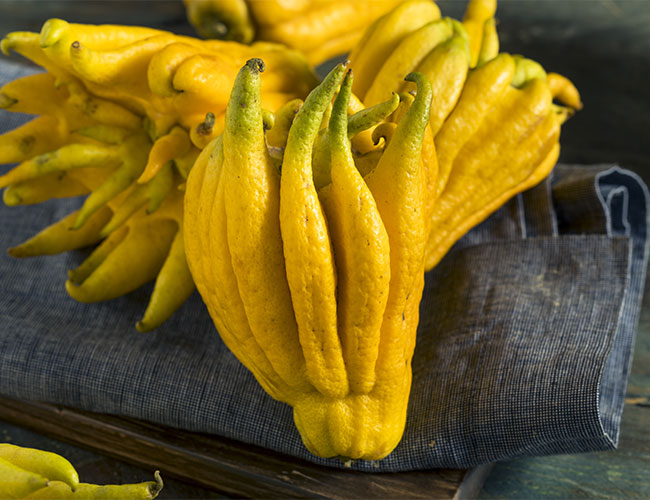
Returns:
(524,344)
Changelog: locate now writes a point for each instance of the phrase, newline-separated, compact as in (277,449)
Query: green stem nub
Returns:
(205,128)
(256,64)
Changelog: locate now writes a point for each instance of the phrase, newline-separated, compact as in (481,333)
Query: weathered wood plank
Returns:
(230,467)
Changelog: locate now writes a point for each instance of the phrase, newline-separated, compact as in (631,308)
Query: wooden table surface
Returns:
(604,47)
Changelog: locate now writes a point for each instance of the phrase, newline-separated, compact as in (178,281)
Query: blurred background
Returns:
(603,46)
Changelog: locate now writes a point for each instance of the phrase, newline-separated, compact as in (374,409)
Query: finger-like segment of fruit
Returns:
(268,119)
(139,491)
(65,158)
(33,94)
(483,88)
(98,255)
(17,482)
(173,287)
(57,36)
(321,159)
(46,187)
(490,43)
(398,184)
(361,124)
(34,138)
(358,123)
(252,201)
(49,465)
(405,101)
(230,306)
(54,489)
(476,13)
(405,58)
(510,121)
(108,134)
(221,19)
(370,426)
(166,148)
(310,267)
(529,135)
(159,187)
(134,153)
(197,75)
(59,238)
(368,57)
(273,12)
(332,47)
(326,20)
(125,66)
(103,111)
(430,170)
(191,207)
(525,71)
(136,198)
(152,194)
(563,90)
(371,116)
(214,277)
(446,67)
(361,251)
(163,65)
(276,137)
(438,247)
(27,44)
(132,262)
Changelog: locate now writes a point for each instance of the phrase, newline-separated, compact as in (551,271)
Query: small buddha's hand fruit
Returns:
(37,474)
(316,291)
(125,112)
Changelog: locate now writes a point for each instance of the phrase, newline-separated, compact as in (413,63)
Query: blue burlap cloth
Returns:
(524,346)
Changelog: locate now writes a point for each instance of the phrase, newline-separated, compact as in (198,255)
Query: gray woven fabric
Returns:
(527,329)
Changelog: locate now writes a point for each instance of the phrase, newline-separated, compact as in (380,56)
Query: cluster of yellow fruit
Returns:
(28,473)
(321,29)
(494,124)
(124,112)
(308,229)
(319,297)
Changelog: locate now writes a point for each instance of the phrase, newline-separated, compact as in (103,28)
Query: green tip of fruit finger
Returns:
(338,124)
(256,64)
(372,116)
(52,31)
(525,71)
(156,488)
(205,127)
(413,77)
